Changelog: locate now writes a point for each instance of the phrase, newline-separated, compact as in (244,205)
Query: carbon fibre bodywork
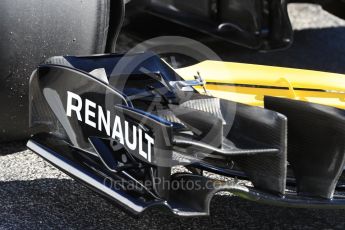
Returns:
(121,124)
(255,24)
(258,24)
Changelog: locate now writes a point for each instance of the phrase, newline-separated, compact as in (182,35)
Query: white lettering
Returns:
(103,121)
(117,130)
(89,113)
(70,107)
(133,145)
(141,151)
(150,143)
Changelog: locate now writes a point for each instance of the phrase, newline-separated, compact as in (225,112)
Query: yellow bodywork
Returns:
(248,84)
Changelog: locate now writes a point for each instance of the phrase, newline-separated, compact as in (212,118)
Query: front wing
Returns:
(123,134)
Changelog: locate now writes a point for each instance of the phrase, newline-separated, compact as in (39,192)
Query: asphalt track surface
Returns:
(35,195)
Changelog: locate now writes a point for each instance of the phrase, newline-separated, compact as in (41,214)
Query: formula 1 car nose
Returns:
(121,123)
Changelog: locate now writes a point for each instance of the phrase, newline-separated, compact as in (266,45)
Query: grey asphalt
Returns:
(35,195)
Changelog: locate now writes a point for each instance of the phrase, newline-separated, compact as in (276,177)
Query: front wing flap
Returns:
(124,135)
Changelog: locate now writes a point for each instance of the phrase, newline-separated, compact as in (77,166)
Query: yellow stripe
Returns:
(290,83)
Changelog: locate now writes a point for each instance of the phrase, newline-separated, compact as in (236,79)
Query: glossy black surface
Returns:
(257,24)
(122,119)
(316,150)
